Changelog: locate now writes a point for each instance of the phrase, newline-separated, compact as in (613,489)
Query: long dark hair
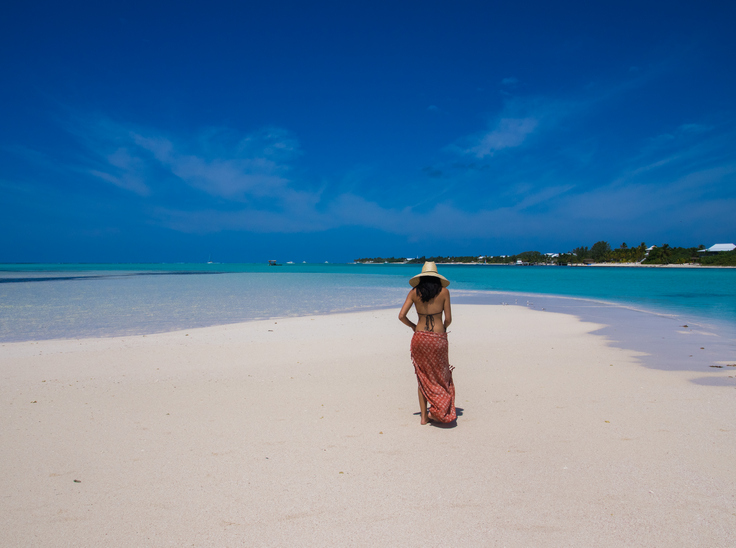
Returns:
(428,288)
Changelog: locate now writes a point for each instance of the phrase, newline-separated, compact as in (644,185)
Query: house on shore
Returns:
(717,248)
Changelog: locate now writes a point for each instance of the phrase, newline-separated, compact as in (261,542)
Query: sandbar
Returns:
(305,432)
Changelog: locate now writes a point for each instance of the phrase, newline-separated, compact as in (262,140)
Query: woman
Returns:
(429,343)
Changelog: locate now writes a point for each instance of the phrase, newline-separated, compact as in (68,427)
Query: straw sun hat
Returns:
(429,269)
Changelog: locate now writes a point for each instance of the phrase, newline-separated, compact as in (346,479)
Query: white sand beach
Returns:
(305,432)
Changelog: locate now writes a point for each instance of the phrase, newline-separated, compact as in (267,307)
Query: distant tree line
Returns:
(600,252)
(724,258)
(381,260)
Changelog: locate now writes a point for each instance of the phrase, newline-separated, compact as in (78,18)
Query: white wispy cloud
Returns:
(524,117)
(508,133)
(126,181)
(233,178)
(219,162)
(246,182)
(687,148)
(520,118)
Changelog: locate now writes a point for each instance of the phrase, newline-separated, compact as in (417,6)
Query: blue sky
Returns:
(153,131)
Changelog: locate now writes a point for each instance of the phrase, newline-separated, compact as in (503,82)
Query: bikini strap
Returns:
(430,320)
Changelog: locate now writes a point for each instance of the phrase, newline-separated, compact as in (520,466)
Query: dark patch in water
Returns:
(100,276)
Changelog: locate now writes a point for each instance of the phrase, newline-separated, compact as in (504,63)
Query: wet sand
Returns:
(305,432)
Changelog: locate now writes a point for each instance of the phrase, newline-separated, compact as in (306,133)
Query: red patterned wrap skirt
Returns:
(434,373)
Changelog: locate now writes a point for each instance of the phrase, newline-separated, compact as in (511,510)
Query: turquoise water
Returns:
(52,301)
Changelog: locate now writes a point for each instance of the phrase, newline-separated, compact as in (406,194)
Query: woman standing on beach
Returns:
(429,343)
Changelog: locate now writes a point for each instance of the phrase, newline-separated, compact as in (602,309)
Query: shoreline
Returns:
(209,267)
(685,265)
(665,339)
(305,430)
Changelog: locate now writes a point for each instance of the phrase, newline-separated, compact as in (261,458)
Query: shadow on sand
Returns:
(453,424)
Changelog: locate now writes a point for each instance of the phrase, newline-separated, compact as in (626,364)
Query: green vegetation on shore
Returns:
(600,252)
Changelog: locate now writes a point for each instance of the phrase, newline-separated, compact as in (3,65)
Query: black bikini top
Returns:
(430,319)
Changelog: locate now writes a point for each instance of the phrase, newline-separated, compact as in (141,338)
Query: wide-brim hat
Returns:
(429,269)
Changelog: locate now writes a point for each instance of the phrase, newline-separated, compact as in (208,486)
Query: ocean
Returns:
(39,302)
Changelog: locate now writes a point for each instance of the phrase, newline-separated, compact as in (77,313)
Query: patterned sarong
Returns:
(434,373)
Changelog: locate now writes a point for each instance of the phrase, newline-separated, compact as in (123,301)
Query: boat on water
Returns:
(272,262)
(289,262)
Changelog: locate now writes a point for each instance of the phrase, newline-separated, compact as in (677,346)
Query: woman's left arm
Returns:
(448,310)
(405,310)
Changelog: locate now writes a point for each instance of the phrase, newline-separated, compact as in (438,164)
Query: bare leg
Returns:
(423,407)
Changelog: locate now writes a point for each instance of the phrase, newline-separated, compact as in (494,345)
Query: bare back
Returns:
(430,314)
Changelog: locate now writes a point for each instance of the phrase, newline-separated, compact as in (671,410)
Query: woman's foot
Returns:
(423,407)
(427,416)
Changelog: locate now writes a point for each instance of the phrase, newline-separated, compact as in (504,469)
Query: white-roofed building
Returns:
(721,247)
(718,248)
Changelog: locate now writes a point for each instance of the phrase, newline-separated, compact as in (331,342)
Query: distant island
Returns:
(599,253)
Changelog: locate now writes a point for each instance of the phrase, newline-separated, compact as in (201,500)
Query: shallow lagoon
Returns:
(72,301)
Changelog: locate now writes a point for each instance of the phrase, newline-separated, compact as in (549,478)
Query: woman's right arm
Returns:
(405,310)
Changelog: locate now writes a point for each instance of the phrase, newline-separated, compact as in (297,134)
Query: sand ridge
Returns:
(304,431)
